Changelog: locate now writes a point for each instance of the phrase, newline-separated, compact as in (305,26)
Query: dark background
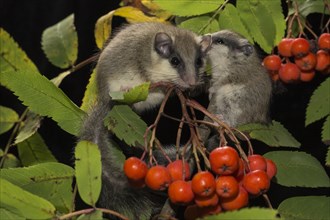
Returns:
(25,22)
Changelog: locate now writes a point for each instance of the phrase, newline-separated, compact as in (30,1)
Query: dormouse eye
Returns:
(219,41)
(175,61)
(199,62)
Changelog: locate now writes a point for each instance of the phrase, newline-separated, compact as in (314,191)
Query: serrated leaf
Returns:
(11,161)
(197,23)
(318,106)
(326,131)
(88,171)
(306,7)
(305,207)
(51,181)
(34,151)
(245,213)
(327,159)
(126,125)
(294,167)
(263,28)
(24,203)
(103,28)
(135,94)
(134,15)
(156,10)
(95,215)
(8,118)
(30,126)
(8,215)
(274,135)
(189,7)
(230,19)
(44,98)
(12,57)
(277,16)
(60,43)
(90,95)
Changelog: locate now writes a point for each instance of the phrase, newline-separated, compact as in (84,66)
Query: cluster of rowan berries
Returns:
(299,62)
(226,186)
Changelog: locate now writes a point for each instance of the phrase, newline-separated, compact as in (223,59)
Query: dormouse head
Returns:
(179,57)
(229,52)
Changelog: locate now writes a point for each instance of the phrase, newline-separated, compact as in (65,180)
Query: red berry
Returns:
(256,182)
(135,169)
(300,47)
(306,63)
(177,169)
(240,201)
(180,192)
(158,178)
(271,168)
(307,76)
(203,184)
(324,41)
(322,60)
(257,162)
(289,73)
(227,187)
(224,160)
(204,201)
(284,47)
(272,62)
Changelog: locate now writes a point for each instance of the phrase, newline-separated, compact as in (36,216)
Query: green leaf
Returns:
(12,57)
(8,118)
(23,203)
(277,16)
(326,130)
(135,94)
(196,24)
(60,43)
(88,171)
(44,98)
(274,135)
(189,7)
(298,169)
(327,159)
(126,125)
(263,28)
(31,124)
(230,19)
(245,213)
(51,181)
(95,215)
(34,151)
(318,106)
(8,215)
(11,161)
(90,95)
(305,207)
(306,7)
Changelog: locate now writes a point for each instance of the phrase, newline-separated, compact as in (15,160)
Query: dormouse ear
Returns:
(206,43)
(247,49)
(163,44)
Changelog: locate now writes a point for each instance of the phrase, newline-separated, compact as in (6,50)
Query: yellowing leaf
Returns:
(103,29)
(8,118)
(134,15)
(90,95)
(156,10)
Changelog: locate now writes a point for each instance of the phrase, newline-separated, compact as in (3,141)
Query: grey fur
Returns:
(131,58)
(240,87)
